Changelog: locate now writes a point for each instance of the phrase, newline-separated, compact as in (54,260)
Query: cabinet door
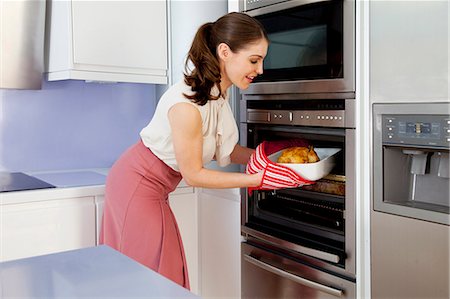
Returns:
(220,241)
(115,41)
(123,34)
(44,227)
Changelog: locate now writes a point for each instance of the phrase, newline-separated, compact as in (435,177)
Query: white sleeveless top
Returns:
(219,129)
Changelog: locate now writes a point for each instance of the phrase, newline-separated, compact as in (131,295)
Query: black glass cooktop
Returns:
(18,181)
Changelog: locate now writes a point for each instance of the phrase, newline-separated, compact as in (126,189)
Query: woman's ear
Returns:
(223,51)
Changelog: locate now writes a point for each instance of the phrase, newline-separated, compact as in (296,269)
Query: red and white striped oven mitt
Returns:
(275,176)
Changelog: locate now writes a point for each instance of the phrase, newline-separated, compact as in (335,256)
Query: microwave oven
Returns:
(311,47)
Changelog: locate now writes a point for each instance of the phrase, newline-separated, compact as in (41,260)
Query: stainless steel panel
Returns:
(409,51)
(258,7)
(409,257)
(300,280)
(305,87)
(323,118)
(268,275)
(299,96)
(22,26)
(327,118)
(258,116)
(401,179)
(291,246)
(410,238)
(350,201)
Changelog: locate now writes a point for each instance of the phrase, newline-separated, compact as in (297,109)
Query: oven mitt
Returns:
(275,176)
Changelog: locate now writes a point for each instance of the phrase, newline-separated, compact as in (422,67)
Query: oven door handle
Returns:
(330,257)
(303,281)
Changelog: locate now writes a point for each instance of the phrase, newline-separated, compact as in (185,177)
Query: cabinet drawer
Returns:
(36,228)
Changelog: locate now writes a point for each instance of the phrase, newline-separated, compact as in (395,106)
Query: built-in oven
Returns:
(312,46)
(300,242)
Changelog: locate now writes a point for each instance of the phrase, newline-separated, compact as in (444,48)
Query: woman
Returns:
(192,125)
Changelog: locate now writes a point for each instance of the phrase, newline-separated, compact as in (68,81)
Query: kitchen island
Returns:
(94,272)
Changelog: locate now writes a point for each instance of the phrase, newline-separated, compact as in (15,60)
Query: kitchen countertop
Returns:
(73,178)
(69,184)
(94,272)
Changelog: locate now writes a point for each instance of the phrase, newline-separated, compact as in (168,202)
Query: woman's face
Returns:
(241,67)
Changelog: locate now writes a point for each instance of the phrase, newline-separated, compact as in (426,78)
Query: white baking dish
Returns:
(312,171)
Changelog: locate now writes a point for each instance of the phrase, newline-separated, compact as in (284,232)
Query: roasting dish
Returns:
(312,171)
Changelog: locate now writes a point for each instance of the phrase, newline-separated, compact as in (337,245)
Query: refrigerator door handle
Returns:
(295,278)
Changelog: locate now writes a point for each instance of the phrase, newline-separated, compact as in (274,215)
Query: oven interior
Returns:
(311,216)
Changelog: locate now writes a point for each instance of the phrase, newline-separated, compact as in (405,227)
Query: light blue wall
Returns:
(71,124)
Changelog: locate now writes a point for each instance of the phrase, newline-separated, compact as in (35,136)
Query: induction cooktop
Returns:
(18,181)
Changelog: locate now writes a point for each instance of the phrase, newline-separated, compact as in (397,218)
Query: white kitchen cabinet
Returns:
(209,223)
(118,41)
(46,226)
(184,204)
(220,240)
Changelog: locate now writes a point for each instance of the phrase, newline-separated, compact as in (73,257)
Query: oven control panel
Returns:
(320,118)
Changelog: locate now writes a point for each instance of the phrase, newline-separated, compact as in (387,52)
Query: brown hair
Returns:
(237,30)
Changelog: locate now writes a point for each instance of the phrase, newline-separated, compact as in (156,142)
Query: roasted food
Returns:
(298,154)
(327,186)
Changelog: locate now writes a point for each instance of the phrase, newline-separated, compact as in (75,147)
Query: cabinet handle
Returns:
(295,278)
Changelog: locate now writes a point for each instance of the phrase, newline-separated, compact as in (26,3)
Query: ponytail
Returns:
(237,30)
(206,72)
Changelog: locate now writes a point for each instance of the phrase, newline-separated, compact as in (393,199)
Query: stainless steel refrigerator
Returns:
(410,105)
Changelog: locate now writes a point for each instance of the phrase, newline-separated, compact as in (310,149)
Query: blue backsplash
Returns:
(71,124)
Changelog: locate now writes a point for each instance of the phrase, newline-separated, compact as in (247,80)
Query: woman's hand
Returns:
(258,179)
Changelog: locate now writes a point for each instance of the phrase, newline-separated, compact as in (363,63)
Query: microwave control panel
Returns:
(416,130)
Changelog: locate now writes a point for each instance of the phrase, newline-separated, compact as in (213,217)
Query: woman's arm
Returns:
(241,154)
(186,124)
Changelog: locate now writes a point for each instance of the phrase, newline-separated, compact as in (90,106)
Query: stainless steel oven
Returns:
(301,242)
(312,46)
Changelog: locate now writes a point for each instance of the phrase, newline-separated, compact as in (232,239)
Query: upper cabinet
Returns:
(117,41)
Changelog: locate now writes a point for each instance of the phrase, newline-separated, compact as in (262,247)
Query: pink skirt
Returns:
(137,218)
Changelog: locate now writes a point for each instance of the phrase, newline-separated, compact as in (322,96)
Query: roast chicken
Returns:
(298,155)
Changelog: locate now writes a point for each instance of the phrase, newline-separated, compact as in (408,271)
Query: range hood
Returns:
(22,30)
